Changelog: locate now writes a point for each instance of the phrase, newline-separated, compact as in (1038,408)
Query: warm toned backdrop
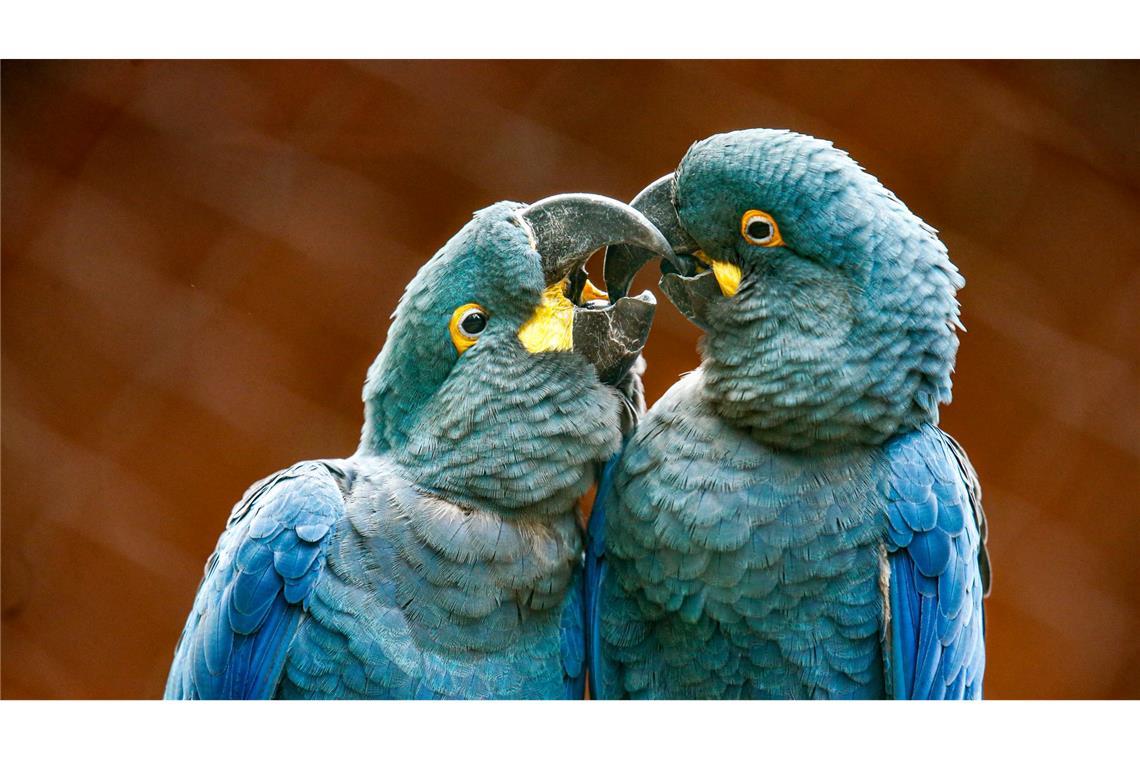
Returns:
(199,261)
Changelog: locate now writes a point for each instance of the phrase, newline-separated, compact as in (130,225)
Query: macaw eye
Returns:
(759,228)
(467,322)
(472,323)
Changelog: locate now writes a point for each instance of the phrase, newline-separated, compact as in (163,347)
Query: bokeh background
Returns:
(200,258)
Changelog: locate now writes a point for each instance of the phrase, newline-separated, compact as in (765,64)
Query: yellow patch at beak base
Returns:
(551,327)
(727,275)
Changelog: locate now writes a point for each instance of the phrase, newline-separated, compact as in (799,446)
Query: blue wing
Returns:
(595,568)
(573,638)
(256,587)
(939,569)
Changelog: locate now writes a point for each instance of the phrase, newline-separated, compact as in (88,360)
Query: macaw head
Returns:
(829,308)
(494,386)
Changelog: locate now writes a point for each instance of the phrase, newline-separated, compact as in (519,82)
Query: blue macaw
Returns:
(443,558)
(788,521)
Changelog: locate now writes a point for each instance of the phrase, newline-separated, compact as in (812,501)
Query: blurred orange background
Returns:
(200,258)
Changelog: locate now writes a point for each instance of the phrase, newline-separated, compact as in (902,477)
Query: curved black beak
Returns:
(566,230)
(624,261)
(689,288)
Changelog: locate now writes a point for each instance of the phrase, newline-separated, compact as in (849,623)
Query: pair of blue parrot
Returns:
(786,522)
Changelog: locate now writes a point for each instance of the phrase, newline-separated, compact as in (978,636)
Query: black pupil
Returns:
(473,323)
(759,229)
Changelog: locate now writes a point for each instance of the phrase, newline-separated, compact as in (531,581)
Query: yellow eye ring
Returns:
(467,322)
(759,228)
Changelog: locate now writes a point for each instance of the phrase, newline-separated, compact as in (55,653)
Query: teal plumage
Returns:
(714,541)
(787,521)
(443,558)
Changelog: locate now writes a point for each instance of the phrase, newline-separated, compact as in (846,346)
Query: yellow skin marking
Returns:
(727,275)
(551,327)
(462,342)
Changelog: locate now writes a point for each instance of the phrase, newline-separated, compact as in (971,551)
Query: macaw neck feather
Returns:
(514,432)
(829,362)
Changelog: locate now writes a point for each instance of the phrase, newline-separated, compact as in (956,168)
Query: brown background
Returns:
(199,261)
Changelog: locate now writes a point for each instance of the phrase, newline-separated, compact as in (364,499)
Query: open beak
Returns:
(688,277)
(574,314)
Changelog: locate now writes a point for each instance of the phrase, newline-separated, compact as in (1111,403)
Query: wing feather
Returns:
(256,587)
(595,571)
(573,638)
(939,569)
